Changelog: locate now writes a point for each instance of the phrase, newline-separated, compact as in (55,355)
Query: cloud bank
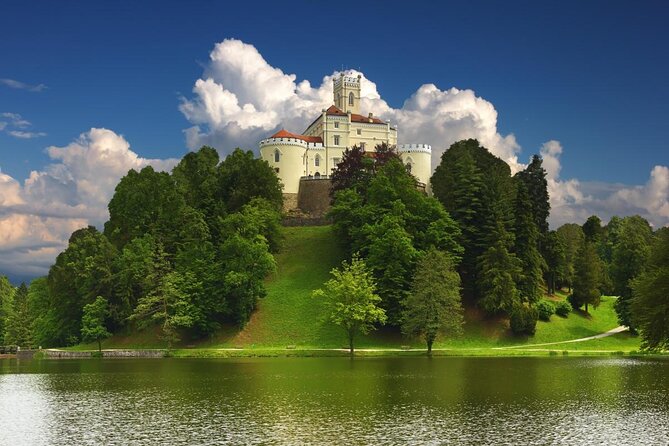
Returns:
(38,215)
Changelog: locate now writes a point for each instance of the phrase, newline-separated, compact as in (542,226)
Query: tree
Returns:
(556,261)
(433,305)
(526,247)
(81,273)
(6,299)
(572,236)
(353,171)
(587,277)
(168,303)
(351,300)
(534,179)
(243,177)
(499,270)
(629,259)
(650,291)
(44,323)
(196,177)
(17,331)
(592,229)
(93,327)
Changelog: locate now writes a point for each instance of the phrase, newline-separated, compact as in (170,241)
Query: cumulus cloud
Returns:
(38,215)
(241,99)
(11,83)
(573,201)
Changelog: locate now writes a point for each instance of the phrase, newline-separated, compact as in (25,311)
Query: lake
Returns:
(379,401)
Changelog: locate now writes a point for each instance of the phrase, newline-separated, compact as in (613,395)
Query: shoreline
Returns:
(205,353)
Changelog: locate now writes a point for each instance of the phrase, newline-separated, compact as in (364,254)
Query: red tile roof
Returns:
(286,134)
(354,117)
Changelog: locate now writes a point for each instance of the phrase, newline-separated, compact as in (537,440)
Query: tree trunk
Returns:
(100,346)
(586,308)
(429,347)
(350,342)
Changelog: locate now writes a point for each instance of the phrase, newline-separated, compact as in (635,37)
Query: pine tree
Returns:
(499,270)
(526,247)
(587,277)
(434,304)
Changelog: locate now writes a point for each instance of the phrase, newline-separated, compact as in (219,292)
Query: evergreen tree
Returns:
(499,271)
(650,291)
(629,259)
(6,299)
(526,247)
(534,179)
(18,325)
(556,261)
(592,229)
(587,277)
(572,237)
(434,305)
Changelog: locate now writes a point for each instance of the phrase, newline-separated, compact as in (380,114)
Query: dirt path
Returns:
(611,332)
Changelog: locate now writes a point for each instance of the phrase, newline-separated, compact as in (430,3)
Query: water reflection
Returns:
(335,401)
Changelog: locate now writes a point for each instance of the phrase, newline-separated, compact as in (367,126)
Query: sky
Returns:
(89,90)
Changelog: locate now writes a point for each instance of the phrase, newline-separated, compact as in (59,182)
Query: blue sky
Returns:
(591,75)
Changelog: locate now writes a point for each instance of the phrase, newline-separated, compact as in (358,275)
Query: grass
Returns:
(288,321)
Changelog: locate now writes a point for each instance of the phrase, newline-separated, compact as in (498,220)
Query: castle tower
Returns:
(347,93)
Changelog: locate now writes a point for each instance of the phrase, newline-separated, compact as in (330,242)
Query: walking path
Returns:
(611,332)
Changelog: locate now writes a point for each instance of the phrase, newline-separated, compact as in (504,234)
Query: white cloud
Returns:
(11,83)
(38,216)
(241,99)
(573,201)
(25,135)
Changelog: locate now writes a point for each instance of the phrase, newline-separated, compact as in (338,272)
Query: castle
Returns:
(315,153)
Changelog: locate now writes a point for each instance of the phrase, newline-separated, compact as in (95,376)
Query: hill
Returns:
(288,317)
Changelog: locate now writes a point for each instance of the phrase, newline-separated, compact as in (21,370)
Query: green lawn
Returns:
(289,318)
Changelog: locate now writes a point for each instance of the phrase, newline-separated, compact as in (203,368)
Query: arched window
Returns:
(317,175)
(277,156)
(317,161)
(338,100)
(350,98)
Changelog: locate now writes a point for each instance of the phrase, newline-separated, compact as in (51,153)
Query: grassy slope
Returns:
(289,316)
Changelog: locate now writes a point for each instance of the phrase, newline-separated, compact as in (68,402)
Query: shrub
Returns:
(563,308)
(574,301)
(545,310)
(524,320)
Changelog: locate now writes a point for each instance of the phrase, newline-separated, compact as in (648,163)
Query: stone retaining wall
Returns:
(69,354)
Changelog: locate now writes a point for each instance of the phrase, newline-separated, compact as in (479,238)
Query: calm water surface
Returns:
(335,401)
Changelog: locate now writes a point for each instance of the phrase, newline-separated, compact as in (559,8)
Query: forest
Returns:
(187,253)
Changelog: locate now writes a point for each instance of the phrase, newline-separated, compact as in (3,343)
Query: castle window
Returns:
(362,146)
(317,161)
(359,131)
(277,156)
(336,125)
(350,98)
(338,100)
(336,140)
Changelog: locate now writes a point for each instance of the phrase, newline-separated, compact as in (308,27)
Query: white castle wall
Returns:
(420,158)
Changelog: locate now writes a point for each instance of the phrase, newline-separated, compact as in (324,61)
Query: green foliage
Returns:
(571,235)
(563,308)
(650,291)
(18,322)
(196,178)
(434,305)
(93,327)
(390,223)
(592,229)
(354,171)
(476,188)
(629,258)
(44,321)
(526,244)
(351,299)
(81,273)
(555,255)
(243,177)
(545,309)
(6,299)
(587,277)
(523,320)
(499,270)
(534,180)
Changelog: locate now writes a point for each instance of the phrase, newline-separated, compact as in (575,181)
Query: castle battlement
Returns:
(291,141)
(414,148)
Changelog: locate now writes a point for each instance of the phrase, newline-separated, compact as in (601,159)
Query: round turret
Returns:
(418,158)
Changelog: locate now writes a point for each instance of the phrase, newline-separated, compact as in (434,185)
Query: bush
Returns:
(524,320)
(575,302)
(545,309)
(563,309)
